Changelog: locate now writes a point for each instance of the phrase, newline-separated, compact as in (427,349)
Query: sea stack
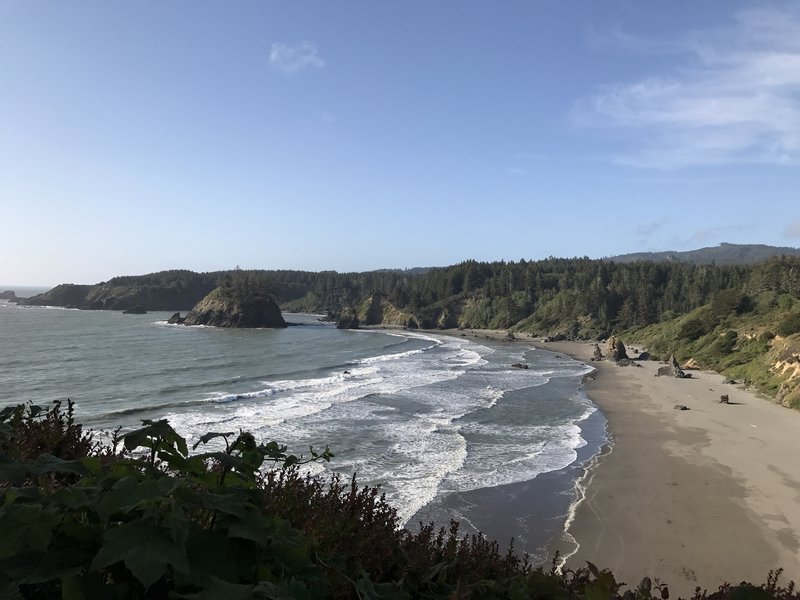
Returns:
(241,301)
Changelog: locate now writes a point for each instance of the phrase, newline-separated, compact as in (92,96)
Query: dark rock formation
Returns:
(558,337)
(627,362)
(176,319)
(348,320)
(374,312)
(520,365)
(676,367)
(68,295)
(672,369)
(681,407)
(644,356)
(136,310)
(598,355)
(168,290)
(8,295)
(615,349)
(223,309)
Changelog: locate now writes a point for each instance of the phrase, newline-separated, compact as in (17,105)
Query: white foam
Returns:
(418,455)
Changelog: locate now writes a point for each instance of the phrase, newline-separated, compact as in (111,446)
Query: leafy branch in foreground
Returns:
(84,520)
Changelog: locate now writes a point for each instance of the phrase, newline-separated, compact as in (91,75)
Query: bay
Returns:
(437,421)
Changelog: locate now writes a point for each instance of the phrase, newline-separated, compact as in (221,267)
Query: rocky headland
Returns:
(168,290)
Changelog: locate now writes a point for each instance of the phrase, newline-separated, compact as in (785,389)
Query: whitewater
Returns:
(428,417)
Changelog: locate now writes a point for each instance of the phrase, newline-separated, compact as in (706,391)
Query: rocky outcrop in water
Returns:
(136,310)
(168,290)
(8,295)
(348,320)
(229,306)
(68,295)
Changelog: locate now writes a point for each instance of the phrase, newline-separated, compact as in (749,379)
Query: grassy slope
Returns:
(758,346)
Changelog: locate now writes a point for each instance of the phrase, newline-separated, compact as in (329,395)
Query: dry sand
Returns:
(693,497)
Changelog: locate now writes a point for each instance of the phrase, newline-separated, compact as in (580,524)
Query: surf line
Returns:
(581,485)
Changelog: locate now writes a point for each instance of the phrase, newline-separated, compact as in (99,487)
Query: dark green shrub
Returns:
(693,329)
(789,325)
(154,521)
(727,342)
(766,336)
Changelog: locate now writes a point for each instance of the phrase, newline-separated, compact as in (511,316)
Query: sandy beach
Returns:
(691,497)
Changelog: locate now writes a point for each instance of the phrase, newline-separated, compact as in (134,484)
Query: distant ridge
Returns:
(724,254)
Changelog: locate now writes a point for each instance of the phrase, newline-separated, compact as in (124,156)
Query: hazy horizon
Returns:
(355,137)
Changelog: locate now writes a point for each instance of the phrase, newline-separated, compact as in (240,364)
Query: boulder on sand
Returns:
(615,349)
(672,369)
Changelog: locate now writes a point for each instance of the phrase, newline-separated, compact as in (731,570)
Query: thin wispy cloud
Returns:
(792,230)
(293,59)
(733,97)
(709,234)
(648,229)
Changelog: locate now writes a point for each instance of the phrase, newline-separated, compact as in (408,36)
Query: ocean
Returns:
(443,424)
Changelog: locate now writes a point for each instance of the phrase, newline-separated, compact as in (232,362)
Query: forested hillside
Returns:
(724,254)
(741,319)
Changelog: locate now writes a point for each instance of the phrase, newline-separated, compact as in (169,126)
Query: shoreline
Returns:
(690,498)
(693,497)
(547,500)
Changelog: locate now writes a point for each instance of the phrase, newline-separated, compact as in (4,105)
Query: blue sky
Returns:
(141,136)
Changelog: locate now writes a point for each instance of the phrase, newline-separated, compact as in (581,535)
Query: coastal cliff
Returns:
(167,290)
(68,295)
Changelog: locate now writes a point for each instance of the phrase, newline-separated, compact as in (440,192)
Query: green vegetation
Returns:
(741,319)
(750,333)
(151,520)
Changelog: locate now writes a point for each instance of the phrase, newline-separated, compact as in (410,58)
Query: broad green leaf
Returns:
(10,591)
(72,497)
(92,464)
(211,555)
(39,567)
(12,471)
(284,590)
(153,434)
(47,463)
(204,439)
(71,588)
(602,588)
(382,591)
(24,526)
(231,504)
(128,494)
(145,550)
(217,589)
